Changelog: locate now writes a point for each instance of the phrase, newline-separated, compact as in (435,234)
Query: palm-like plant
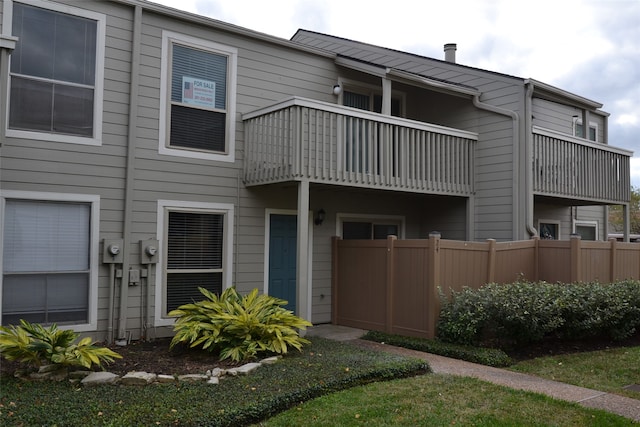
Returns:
(35,345)
(238,327)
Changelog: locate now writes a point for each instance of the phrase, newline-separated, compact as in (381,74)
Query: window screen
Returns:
(198,99)
(194,256)
(53,72)
(46,262)
(580,132)
(367,230)
(586,232)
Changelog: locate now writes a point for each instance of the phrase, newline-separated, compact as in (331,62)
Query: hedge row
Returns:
(484,356)
(523,313)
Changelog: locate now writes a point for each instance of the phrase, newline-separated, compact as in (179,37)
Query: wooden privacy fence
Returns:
(392,285)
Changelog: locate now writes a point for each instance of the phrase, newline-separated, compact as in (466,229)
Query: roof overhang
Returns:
(407,77)
(552,93)
(223,26)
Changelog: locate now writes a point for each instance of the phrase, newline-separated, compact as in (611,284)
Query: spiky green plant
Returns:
(238,327)
(35,345)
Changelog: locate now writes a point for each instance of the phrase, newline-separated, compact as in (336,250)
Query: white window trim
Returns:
(578,121)
(94,200)
(232,54)
(376,219)
(551,221)
(585,223)
(98,95)
(164,206)
(267,236)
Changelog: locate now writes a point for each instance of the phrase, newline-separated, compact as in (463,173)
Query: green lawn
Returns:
(439,400)
(330,383)
(606,370)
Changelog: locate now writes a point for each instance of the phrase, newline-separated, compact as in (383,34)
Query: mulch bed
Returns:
(156,356)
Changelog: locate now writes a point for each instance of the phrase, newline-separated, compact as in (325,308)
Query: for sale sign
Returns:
(198,92)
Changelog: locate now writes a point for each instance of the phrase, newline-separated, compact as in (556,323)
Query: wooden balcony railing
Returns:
(575,168)
(327,143)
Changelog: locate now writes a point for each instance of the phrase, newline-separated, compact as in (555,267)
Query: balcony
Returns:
(574,168)
(301,139)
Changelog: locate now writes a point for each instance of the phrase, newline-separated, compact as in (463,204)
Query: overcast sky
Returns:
(588,47)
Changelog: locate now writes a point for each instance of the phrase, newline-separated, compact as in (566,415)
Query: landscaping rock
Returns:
(244,369)
(78,375)
(97,378)
(164,379)
(138,378)
(270,360)
(193,378)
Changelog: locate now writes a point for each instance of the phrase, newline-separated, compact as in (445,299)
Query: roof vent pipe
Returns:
(450,52)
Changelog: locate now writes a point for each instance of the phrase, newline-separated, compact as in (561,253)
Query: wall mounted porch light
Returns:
(337,90)
(319,218)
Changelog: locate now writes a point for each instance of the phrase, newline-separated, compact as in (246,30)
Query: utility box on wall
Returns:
(149,251)
(112,251)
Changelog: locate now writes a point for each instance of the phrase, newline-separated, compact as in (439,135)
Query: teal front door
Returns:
(282,258)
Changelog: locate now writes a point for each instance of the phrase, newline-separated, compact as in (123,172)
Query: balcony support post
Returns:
(303,281)
(626,222)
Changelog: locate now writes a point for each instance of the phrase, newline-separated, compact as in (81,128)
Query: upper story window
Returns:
(370,102)
(56,73)
(578,130)
(198,100)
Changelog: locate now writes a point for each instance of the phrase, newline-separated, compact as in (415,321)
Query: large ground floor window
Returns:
(49,260)
(196,241)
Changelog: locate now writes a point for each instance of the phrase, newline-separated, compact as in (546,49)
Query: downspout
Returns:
(528,142)
(130,168)
(516,146)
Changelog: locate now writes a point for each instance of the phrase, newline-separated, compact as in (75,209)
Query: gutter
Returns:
(516,145)
(130,168)
(528,142)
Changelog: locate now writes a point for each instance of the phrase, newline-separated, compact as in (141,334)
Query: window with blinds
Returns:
(46,262)
(195,255)
(55,72)
(198,107)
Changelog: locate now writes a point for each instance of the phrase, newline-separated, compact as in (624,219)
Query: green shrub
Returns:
(238,327)
(522,313)
(36,345)
(484,356)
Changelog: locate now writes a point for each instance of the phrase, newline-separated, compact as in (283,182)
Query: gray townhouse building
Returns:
(147,151)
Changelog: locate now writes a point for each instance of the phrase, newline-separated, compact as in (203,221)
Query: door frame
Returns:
(267,236)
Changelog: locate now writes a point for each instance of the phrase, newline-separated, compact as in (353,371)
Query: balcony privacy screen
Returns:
(195,256)
(46,262)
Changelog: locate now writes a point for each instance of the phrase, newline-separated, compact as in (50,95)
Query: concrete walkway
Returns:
(613,403)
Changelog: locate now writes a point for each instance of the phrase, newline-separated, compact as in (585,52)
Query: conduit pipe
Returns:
(516,147)
(130,171)
(528,142)
(112,289)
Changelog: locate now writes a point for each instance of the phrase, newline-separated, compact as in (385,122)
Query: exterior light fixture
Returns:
(337,90)
(320,215)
